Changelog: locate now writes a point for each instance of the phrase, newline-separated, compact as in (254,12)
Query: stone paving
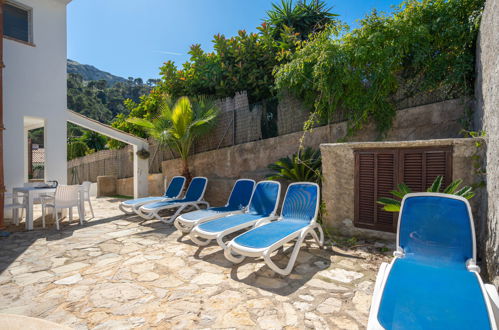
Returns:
(117,272)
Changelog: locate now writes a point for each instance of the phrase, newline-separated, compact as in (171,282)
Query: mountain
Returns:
(90,72)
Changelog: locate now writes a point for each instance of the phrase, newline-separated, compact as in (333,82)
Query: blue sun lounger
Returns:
(297,221)
(237,203)
(173,191)
(433,282)
(261,209)
(193,198)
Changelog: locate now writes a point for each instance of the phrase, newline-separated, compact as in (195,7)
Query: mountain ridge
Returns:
(89,72)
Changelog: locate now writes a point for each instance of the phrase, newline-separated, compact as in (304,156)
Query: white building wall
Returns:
(34,85)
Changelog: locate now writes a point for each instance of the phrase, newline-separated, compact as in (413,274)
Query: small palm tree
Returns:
(393,205)
(179,125)
(305,165)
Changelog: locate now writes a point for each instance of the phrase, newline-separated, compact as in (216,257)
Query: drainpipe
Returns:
(2,183)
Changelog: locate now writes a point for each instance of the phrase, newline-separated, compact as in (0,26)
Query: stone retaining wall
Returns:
(487,118)
(249,160)
(108,185)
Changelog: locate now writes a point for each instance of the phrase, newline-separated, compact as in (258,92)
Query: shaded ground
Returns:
(116,272)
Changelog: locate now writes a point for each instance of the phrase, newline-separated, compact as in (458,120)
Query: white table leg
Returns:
(29,212)
(82,206)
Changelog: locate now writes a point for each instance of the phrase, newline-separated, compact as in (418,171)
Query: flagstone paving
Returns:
(116,272)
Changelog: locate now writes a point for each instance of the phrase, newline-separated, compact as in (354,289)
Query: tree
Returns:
(303,17)
(76,149)
(94,140)
(179,125)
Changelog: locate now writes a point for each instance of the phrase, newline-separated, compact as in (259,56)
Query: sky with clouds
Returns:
(132,38)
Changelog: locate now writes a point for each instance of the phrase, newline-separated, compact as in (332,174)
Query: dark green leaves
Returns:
(393,205)
(304,165)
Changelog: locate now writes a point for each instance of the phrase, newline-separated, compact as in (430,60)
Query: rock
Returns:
(236,318)
(345,323)
(321,264)
(208,279)
(114,294)
(135,260)
(269,322)
(259,303)
(366,286)
(142,267)
(113,324)
(137,321)
(306,297)
(290,315)
(302,306)
(97,317)
(270,282)
(69,280)
(362,302)
(225,300)
(78,293)
(316,283)
(30,278)
(167,282)
(69,267)
(148,277)
(341,275)
(330,305)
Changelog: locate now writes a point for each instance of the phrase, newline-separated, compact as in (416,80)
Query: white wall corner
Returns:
(141,172)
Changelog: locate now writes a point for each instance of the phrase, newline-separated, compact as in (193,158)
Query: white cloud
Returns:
(169,53)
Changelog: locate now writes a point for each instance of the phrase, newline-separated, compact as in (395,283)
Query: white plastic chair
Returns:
(66,197)
(15,206)
(85,195)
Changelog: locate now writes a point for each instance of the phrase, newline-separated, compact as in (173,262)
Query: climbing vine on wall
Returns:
(424,46)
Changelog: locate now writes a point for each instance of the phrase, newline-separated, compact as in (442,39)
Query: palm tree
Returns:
(179,125)
(302,17)
(305,165)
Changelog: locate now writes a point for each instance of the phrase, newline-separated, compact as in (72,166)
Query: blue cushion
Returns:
(241,194)
(195,190)
(141,200)
(422,295)
(270,233)
(300,202)
(175,187)
(227,222)
(265,198)
(200,214)
(438,228)
(163,204)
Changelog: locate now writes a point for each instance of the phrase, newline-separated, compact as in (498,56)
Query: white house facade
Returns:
(35,93)
(34,86)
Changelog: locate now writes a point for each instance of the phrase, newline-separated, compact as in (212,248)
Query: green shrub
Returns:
(305,165)
(77,149)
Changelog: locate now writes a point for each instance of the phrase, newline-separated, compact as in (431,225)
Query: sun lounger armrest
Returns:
(472,266)
(376,298)
(266,220)
(494,300)
(204,203)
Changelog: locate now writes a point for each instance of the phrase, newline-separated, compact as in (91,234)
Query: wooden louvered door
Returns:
(419,167)
(379,171)
(376,177)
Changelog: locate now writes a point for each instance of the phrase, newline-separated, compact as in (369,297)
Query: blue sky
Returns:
(134,37)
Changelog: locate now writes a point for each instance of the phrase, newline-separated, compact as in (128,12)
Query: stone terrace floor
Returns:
(116,272)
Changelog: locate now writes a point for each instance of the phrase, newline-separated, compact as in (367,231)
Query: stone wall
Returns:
(338,180)
(111,186)
(223,166)
(487,118)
